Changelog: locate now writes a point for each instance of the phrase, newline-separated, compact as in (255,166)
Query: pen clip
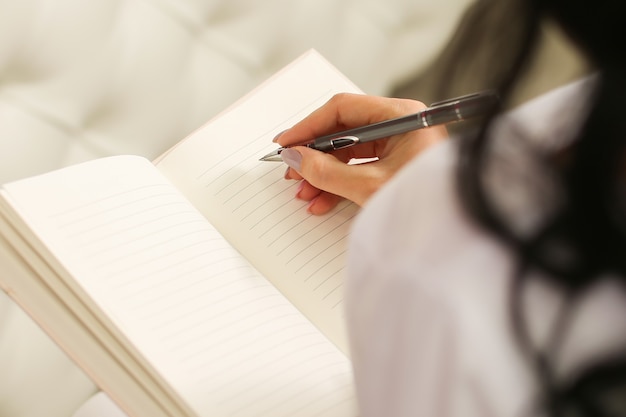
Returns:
(341,142)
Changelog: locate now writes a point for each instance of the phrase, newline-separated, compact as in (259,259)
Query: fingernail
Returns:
(292,158)
(299,189)
(278,135)
(309,207)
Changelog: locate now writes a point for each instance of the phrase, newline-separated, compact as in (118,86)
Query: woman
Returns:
(487,276)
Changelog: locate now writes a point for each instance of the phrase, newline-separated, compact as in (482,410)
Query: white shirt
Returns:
(427,296)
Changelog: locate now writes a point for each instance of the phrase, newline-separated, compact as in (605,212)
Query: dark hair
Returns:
(589,226)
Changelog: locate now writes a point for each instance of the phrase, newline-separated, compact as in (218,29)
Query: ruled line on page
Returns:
(76,208)
(324,236)
(298,209)
(277,370)
(251,184)
(279,392)
(263,138)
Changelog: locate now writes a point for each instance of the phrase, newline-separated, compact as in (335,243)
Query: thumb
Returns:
(327,173)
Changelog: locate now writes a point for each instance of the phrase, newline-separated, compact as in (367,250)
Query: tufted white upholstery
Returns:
(82,79)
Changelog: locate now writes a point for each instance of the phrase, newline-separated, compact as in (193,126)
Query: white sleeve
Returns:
(402,329)
(403,345)
(426,303)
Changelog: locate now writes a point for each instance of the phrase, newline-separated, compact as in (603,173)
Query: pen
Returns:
(442,112)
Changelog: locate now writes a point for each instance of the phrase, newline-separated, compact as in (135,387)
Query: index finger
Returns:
(345,111)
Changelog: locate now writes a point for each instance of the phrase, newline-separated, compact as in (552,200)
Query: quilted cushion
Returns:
(82,79)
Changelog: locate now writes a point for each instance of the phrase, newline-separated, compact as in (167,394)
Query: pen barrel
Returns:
(466,108)
(367,133)
(450,111)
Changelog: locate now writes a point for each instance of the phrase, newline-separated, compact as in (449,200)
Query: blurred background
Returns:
(85,79)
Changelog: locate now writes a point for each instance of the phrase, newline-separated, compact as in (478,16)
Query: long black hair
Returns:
(583,240)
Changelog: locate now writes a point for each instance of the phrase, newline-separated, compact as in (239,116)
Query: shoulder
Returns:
(416,227)
(423,196)
(415,237)
(418,213)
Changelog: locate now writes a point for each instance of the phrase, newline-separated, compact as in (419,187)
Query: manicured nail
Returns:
(278,135)
(309,207)
(299,189)
(292,158)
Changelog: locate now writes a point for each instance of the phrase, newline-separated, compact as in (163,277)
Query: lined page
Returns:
(253,206)
(205,319)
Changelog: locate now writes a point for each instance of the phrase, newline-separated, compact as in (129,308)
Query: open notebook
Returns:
(193,285)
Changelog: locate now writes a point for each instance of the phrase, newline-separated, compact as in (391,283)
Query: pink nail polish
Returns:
(278,135)
(299,189)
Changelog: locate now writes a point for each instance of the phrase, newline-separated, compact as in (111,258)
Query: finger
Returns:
(344,111)
(323,203)
(307,192)
(325,172)
(292,174)
(320,202)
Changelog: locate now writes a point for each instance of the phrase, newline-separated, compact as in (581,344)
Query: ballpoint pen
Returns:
(443,112)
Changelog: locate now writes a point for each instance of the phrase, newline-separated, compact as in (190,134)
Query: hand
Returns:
(326,177)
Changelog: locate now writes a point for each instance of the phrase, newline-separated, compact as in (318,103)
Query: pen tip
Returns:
(273,156)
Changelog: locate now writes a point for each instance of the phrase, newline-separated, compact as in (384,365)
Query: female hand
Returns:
(327,177)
